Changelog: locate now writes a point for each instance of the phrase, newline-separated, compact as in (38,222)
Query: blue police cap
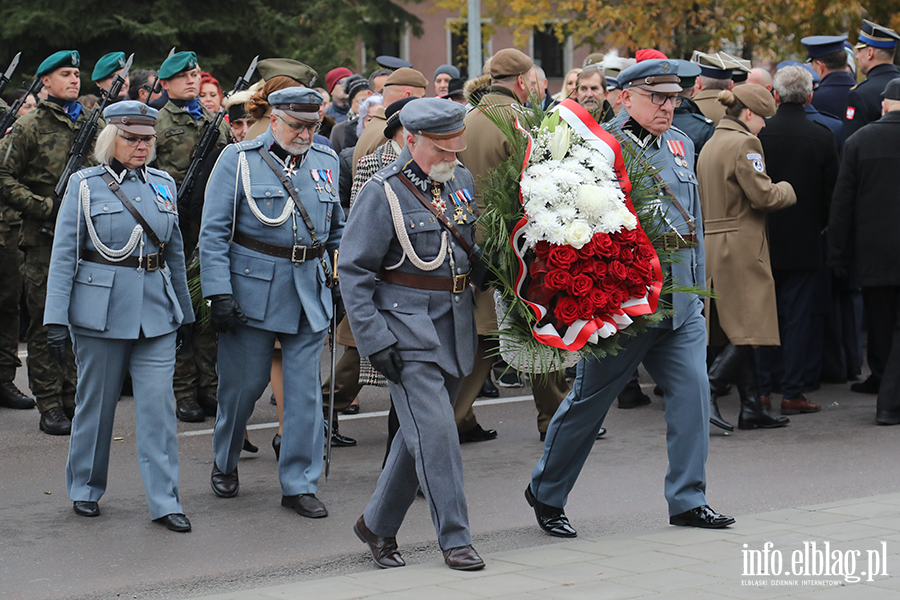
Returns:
(299,102)
(820,45)
(877,36)
(655,75)
(612,83)
(440,119)
(392,62)
(58,60)
(688,73)
(178,63)
(132,116)
(108,65)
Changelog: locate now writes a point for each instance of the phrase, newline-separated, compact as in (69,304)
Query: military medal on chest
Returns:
(290,167)
(459,213)
(676,147)
(314,173)
(436,200)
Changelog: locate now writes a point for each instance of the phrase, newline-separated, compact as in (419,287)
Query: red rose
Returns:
(617,270)
(637,291)
(626,236)
(562,256)
(617,297)
(567,310)
(626,254)
(600,270)
(557,279)
(599,299)
(542,249)
(603,246)
(586,251)
(633,276)
(610,283)
(539,293)
(580,285)
(645,252)
(585,309)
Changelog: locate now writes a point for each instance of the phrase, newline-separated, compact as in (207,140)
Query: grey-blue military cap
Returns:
(655,75)
(299,102)
(132,116)
(441,120)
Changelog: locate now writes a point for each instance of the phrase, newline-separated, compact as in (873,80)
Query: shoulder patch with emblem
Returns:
(172,132)
(851,112)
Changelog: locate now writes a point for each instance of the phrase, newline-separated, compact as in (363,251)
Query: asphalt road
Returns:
(251,541)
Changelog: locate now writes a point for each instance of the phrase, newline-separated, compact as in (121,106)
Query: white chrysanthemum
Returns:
(592,201)
(544,223)
(578,233)
(565,211)
(542,190)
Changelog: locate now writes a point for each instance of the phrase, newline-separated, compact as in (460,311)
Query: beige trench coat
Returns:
(736,194)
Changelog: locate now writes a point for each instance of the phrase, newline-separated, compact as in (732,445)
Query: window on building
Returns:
(548,52)
(459,45)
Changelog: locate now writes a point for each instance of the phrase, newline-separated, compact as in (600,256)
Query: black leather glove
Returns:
(840,272)
(483,276)
(183,336)
(226,313)
(55,210)
(338,303)
(57,340)
(388,363)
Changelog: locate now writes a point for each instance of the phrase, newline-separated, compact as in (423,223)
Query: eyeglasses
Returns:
(134,142)
(298,128)
(661,99)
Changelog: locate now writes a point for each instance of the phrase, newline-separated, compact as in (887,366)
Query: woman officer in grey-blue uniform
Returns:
(117,283)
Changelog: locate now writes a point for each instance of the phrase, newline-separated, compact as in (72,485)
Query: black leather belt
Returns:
(676,241)
(151,262)
(457,284)
(297,254)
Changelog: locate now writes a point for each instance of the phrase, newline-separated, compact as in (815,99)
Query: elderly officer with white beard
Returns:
(271,222)
(406,271)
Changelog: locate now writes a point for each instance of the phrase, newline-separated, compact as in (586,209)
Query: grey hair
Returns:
(794,84)
(540,72)
(105,148)
(367,104)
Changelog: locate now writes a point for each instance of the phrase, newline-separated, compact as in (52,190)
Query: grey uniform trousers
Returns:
(425,453)
(676,359)
(102,364)
(244,365)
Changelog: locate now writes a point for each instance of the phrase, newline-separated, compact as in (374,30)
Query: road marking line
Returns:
(368,415)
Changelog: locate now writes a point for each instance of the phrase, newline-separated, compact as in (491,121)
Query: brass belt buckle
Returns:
(295,250)
(152,262)
(459,283)
(670,242)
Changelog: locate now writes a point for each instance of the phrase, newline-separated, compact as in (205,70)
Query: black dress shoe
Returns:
(488,389)
(657,390)
(12,397)
(463,558)
(338,440)
(224,485)
(306,505)
(249,447)
(884,417)
(175,522)
(208,403)
(702,516)
(353,409)
(86,508)
(383,550)
(601,433)
(276,446)
(477,434)
(549,518)
(869,386)
(187,410)
(55,422)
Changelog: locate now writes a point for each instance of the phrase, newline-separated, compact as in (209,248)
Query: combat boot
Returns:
(753,412)
(723,372)
(55,422)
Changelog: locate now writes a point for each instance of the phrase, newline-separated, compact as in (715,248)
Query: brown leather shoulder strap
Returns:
(115,189)
(286,184)
(440,216)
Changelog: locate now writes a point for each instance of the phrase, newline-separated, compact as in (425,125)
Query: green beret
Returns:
(273,67)
(108,65)
(179,62)
(57,60)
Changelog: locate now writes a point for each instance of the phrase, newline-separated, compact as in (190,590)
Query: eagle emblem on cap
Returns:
(74,58)
(122,63)
(665,67)
(192,64)
(143,109)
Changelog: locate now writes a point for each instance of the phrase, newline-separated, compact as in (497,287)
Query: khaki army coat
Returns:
(487,149)
(712,109)
(371,137)
(736,194)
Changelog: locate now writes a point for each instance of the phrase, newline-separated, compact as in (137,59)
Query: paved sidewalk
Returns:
(853,537)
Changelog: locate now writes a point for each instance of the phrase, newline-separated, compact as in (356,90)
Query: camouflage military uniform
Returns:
(176,135)
(11,259)
(32,158)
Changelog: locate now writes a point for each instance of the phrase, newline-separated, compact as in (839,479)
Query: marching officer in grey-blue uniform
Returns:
(406,271)
(673,352)
(117,284)
(271,224)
